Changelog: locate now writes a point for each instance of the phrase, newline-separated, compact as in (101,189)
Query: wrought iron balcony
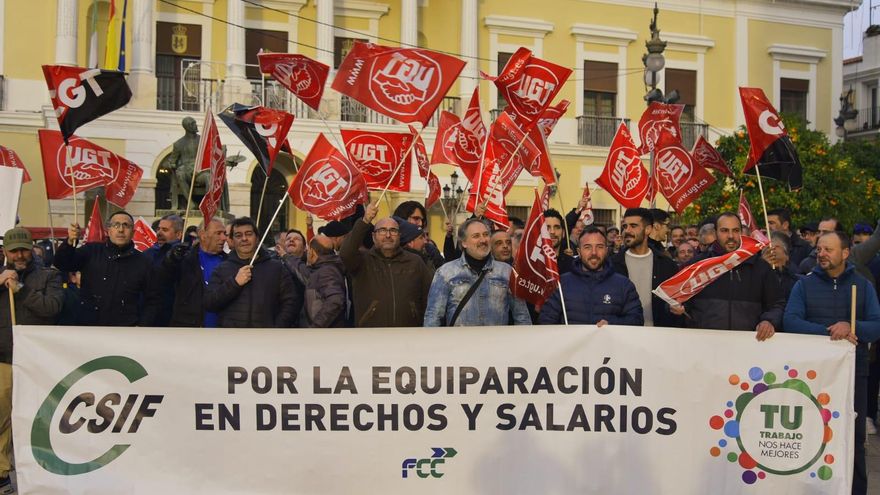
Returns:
(691,130)
(598,130)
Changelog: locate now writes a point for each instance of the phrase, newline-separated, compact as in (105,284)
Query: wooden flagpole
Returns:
(266,232)
(12,303)
(399,165)
(852,325)
(763,202)
(73,182)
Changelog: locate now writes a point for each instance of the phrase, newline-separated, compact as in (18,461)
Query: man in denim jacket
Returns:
(491,303)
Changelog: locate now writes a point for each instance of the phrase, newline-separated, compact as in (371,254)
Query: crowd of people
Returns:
(365,271)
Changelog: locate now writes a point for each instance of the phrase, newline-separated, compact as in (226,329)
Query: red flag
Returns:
(748,220)
(679,178)
(421,153)
(535,272)
(328,185)
(624,177)
(494,185)
(377,155)
(529,84)
(771,148)
(693,278)
(80,95)
(473,118)
(456,146)
(262,130)
(551,117)
(9,158)
(92,165)
(706,155)
(433,190)
(211,156)
(659,126)
(301,75)
(586,214)
(143,237)
(403,83)
(508,137)
(95,231)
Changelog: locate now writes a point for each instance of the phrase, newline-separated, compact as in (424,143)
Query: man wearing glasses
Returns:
(390,285)
(118,287)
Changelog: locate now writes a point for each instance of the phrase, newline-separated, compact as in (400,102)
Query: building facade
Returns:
(187,56)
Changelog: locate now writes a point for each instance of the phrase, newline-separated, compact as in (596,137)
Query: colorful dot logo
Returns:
(775,427)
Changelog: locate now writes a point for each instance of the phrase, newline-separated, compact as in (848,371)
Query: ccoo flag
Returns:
(81,95)
(771,148)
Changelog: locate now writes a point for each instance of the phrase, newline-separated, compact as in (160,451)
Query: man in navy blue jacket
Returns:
(820,305)
(594,293)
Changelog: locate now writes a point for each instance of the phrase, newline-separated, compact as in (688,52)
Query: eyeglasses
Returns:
(120,225)
(391,232)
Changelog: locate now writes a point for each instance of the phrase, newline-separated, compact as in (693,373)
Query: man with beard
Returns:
(677,237)
(168,233)
(779,220)
(646,265)
(262,295)
(594,294)
(119,287)
(747,298)
(389,285)
(553,221)
(189,270)
(820,304)
(38,300)
(474,290)
(502,247)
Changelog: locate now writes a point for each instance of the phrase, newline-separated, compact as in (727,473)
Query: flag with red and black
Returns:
(81,95)
(771,147)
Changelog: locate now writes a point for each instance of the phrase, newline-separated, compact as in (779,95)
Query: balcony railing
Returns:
(351,110)
(868,119)
(691,130)
(597,130)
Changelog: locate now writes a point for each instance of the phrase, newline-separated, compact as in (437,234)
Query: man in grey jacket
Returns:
(326,300)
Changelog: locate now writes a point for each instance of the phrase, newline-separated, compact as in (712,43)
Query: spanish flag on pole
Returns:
(114,56)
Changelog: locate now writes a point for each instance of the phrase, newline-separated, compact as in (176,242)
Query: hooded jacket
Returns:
(819,301)
(591,296)
(270,299)
(118,286)
(388,292)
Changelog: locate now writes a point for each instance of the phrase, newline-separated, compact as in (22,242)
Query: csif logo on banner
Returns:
(111,416)
(428,467)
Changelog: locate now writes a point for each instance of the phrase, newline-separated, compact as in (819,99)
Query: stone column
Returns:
(235,87)
(325,32)
(409,23)
(142,77)
(469,48)
(65,32)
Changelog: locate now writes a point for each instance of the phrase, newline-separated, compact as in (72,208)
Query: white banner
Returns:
(10,191)
(495,410)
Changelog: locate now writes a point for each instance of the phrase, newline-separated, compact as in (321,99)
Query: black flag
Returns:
(262,130)
(81,95)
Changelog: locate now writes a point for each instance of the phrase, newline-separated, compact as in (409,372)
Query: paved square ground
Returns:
(873,463)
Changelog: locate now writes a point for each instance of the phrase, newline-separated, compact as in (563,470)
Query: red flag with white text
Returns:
(421,153)
(749,224)
(624,177)
(433,190)
(212,154)
(770,147)
(529,84)
(679,178)
(507,137)
(586,213)
(406,84)
(328,185)
(457,146)
(377,155)
(493,187)
(706,155)
(659,126)
(535,273)
(92,165)
(144,237)
(693,278)
(80,95)
(301,75)
(551,117)
(9,158)
(95,231)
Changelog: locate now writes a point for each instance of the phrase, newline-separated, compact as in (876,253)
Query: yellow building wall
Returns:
(307,32)
(719,107)
(27,45)
(389,24)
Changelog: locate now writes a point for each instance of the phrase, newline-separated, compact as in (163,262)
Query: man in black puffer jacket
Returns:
(259,296)
(747,298)
(118,287)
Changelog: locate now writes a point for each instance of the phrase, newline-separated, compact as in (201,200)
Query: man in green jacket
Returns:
(389,285)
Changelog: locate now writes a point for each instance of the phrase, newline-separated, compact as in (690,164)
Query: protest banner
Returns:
(480,410)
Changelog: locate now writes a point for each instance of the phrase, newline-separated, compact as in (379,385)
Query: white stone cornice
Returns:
(293,6)
(687,42)
(603,35)
(796,53)
(518,26)
(363,10)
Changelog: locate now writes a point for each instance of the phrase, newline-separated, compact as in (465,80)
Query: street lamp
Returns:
(653,60)
(452,194)
(846,119)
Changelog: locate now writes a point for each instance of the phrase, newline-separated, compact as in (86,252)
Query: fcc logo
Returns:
(428,467)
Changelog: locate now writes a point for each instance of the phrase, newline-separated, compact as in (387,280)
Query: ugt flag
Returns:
(706,155)
(327,184)
(211,156)
(9,158)
(95,229)
(770,147)
(379,156)
(262,130)
(679,177)
(144,236)
(529,84)
(406,84)
(81,95)
(660,126)
(624,177)
(301,75)
(535,271)
(456,145)
(91,165)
